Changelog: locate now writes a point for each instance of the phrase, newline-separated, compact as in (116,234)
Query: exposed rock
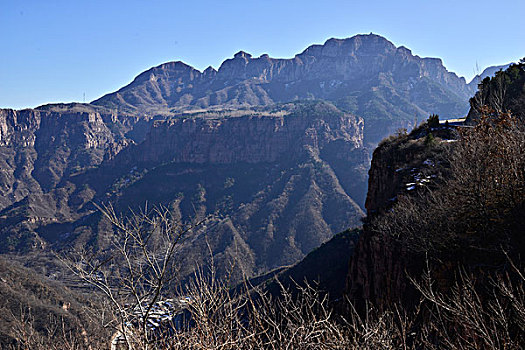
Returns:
(283,180)
(379,268)
(284,177)
(283,183)
(366,75)
(40,150)
(250,139)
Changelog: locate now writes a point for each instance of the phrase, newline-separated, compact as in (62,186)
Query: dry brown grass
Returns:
(462,318)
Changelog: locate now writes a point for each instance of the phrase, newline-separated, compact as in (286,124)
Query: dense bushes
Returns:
(460,319)
(480,207)
(502,93)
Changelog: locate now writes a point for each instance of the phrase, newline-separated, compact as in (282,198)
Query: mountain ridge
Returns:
(351,72)
(284,179)
(255,136)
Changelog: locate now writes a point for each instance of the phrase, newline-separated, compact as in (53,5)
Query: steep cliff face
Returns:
(250,139)
(17,127)
(282,183)
(365,75)
(17,154)
(39,151)
(401,167)
(378,267)
(40,147)
(443,200)
(278,181)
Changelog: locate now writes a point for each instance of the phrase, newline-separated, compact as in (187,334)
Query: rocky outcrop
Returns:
(366,75)
(284,182)
(17,127)
(377,271)
(40,147)
(279,181)
(249,139)
(401,167)
(41,150)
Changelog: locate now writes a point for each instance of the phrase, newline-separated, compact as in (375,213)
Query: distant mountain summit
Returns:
(365,74)
(487,72)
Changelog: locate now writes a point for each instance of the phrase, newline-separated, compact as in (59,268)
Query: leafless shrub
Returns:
(463,317)
(473,315)
(480,205)
(57,335)
(251,319)
(134,272)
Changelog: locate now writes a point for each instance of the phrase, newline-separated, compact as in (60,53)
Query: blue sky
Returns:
(57,51)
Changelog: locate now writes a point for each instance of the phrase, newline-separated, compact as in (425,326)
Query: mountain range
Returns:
(276,150)
(365,75)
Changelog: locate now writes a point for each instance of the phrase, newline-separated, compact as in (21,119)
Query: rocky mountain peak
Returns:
(404,50)
(487,72)
(350,72)
(242,54)
(358,45)
(168,70)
